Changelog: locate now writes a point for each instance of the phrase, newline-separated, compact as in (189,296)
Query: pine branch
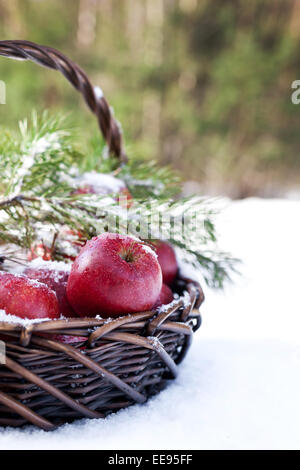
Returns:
(38,201)
(38,160)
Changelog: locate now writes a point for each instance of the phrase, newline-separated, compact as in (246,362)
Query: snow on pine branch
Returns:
(41,170)
(36,160)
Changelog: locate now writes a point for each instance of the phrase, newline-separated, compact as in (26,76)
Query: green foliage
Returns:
(36,161)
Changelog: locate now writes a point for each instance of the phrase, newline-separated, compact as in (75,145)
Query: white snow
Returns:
(165,307)
(148,249)
(98,92)
(30,152)
(239,386)
(186,299)
(39,263)
(6,317)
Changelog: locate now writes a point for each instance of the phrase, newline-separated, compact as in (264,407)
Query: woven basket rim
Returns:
(89,322)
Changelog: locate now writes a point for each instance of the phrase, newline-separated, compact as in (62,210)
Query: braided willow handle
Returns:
(51,58)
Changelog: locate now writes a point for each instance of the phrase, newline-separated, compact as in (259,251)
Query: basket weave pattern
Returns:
(117,363)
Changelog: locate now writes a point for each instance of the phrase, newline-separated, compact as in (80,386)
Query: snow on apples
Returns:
(102,183)
(114,275)
(27,298)
(165,296)
(99,183)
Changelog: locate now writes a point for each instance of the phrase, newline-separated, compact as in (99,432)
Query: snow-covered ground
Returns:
(239,387)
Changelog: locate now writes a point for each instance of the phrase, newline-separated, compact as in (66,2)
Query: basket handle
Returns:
(53,59)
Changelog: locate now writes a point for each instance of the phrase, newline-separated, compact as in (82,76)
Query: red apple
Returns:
(167,260)
(39,250)
(114,275)
(165,297)
(26,298)
(57,281)
(100,183)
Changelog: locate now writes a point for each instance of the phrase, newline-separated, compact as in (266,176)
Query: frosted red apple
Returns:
(100,183)
(26,298)
(57,281)
(165,296)
(114,275)
(167,260)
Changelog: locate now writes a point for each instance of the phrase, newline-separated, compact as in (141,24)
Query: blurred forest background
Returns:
(201,85)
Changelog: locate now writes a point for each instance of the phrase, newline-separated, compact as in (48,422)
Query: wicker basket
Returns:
(47,382)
